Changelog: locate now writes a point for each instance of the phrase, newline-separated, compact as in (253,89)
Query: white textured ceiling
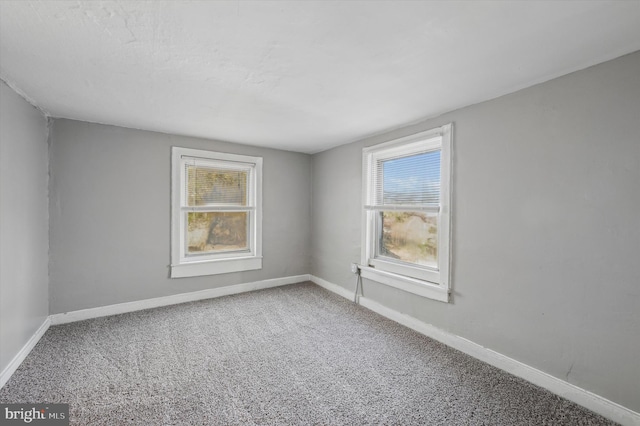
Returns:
(301,76)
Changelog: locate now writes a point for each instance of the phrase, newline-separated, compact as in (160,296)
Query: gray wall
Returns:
(546,231)
(110,215)
(24,236)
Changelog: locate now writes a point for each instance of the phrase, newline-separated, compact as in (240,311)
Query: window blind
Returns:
(412,180)
(212,186)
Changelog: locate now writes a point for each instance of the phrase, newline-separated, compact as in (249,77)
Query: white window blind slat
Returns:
(408,180)
(214,186)
(433,208)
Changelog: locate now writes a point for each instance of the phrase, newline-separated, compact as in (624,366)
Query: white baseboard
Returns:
(333,287)
(589,400)
(22,354)
(157,302)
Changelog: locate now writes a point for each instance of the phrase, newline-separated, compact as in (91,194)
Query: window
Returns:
(406,214)
(216,213)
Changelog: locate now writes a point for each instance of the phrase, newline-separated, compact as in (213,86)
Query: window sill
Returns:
(214,267)
(411,285)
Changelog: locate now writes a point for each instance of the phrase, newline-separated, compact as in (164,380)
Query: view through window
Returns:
(216,212)
(407,210)
(210,229)
(409,184)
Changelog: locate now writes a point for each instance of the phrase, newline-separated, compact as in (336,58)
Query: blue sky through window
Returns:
(412,180)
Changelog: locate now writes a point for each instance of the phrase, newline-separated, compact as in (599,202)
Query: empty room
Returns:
(320,212)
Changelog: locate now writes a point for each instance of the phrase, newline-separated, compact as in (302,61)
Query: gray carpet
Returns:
(289,355)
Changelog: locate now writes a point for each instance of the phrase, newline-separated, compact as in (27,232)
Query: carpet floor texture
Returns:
(291,355)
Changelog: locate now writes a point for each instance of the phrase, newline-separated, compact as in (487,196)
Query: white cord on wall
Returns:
(356,270)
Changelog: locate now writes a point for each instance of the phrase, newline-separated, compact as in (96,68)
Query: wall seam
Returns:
(50,122)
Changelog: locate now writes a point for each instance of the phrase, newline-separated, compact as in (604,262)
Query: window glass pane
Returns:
(214,232)
(410,180)
(216,186)
(410,237)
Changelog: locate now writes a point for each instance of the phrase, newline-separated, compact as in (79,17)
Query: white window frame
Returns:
(215,263)
(433,283)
